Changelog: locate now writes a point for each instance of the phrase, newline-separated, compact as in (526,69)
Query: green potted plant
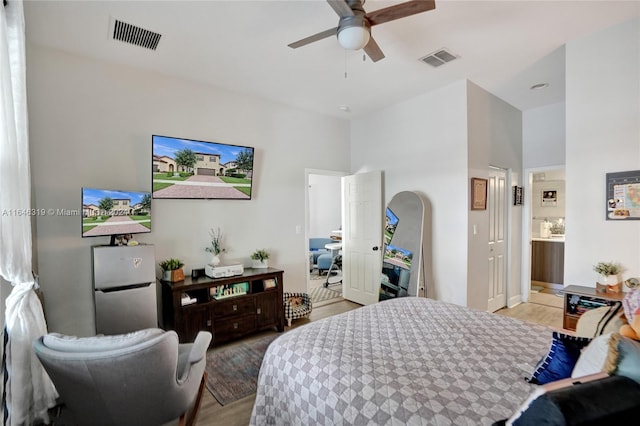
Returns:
(609,275)
(260,258)
(172,270)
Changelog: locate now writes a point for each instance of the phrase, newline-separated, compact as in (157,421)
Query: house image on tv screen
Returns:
(185,168)
(112,212)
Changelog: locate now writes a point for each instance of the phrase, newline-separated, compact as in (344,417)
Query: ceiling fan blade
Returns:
(315,37)
(341,8)
(398,11)
(373,50)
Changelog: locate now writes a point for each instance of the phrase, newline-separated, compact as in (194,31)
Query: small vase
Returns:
(177,275)
(609,279)
(173,275)
(260,264)
(609,284)
(215,260)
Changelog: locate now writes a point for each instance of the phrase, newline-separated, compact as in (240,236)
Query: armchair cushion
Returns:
(319,243)
(316,247)
(323,262)
(63,343)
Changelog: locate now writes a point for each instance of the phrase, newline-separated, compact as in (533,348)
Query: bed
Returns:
(405,361)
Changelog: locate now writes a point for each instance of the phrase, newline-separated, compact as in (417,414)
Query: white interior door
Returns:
(362,237)
(497,207)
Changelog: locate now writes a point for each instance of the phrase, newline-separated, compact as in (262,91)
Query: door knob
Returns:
(374,248)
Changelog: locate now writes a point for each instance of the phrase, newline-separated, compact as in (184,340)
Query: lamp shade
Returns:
(353,38)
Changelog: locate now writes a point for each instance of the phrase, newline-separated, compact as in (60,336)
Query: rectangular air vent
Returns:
(135,35)
(439,57)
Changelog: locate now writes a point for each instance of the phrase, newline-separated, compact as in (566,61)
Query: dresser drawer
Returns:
(233,327)
(239,306)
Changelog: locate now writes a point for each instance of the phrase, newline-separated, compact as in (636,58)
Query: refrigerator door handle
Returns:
(123,287)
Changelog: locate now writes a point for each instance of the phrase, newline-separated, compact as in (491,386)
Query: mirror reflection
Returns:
(402,238)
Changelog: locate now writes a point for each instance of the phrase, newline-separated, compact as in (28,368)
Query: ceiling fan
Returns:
(354,27)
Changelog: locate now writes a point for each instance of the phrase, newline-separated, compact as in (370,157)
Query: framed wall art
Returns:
(478,194)
(518,196)
(549,198)
(623,196)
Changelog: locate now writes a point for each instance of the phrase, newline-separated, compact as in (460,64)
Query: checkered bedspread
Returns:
(407,361)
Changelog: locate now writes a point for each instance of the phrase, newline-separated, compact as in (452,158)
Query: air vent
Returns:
(438,58)
(135,35)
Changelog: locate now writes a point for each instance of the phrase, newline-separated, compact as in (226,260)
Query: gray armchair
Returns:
(141,378)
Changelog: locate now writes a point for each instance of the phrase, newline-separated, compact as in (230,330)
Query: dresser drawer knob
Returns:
(259,311)
(235,307)
(235,325)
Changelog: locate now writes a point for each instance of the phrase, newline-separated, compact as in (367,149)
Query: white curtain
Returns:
(27,389)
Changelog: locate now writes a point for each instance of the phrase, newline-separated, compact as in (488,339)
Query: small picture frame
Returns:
(518,195)
(478,194)
(549,198)
(269,284)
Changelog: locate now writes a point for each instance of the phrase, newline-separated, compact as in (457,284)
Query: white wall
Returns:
(91,125)
(603,136)
(495,139)
(421,145)
(544,136)
(433,144)
(325,201)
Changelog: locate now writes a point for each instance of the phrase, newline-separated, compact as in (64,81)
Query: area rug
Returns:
(320,294)
(233,371)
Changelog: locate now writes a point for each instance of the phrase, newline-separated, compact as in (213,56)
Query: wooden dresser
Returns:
(229,307)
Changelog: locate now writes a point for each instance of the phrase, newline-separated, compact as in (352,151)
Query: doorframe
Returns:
(307,213)
(527,214)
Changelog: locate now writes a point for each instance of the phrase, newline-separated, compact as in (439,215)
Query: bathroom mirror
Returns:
(402,238)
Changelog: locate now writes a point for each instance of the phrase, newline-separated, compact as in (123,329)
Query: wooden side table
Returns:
(579,299)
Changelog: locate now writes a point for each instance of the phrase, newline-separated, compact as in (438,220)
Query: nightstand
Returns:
(579,299)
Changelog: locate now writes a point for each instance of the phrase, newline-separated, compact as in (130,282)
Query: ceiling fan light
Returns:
(353,38)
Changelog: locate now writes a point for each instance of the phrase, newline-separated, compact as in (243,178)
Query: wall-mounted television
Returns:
(186,168)
(112,213)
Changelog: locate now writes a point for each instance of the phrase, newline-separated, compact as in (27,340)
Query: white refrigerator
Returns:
(124,285)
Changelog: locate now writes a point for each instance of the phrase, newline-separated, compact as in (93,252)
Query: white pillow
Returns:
(63,343)
(592,357)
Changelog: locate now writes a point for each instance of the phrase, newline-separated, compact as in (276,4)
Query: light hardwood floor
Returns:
(540,310)
(543,308)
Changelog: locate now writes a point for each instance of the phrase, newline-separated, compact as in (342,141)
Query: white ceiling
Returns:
(503,46)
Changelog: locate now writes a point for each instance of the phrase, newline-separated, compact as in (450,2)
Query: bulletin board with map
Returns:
(623,196)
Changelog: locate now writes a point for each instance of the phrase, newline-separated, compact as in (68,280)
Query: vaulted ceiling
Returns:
(503,46)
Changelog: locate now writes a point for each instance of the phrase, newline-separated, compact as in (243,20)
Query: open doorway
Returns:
(323,228)
(544,237)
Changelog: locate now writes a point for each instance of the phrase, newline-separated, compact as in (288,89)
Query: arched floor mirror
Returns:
(402,237)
